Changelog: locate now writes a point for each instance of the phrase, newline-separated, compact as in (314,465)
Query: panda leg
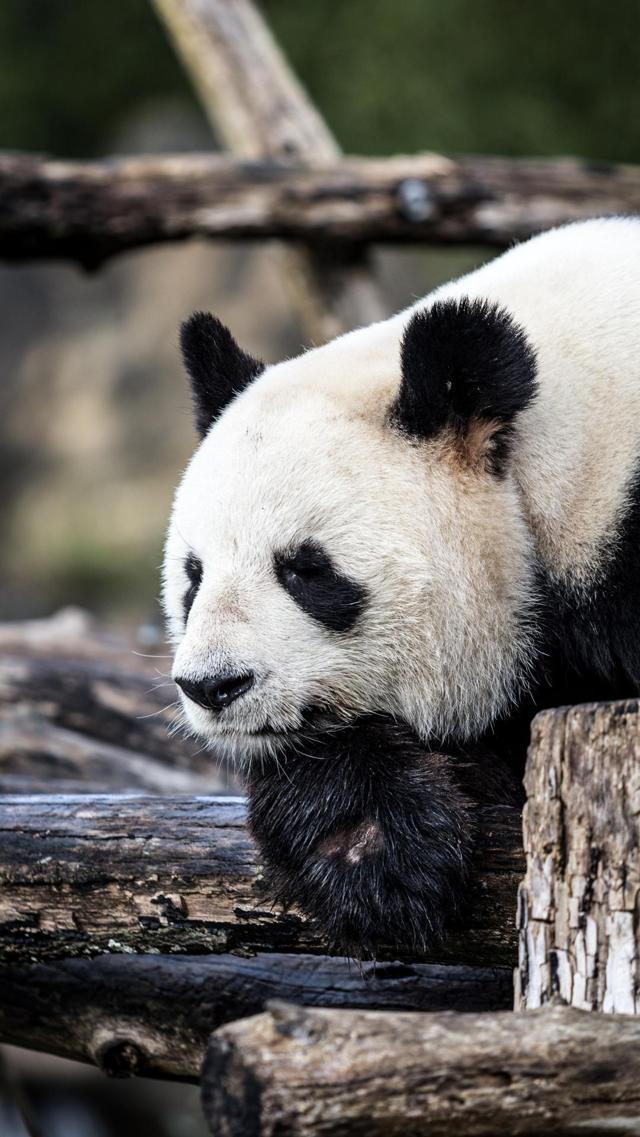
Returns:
(371,834)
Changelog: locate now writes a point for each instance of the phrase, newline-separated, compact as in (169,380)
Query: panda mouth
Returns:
(259,732)
(311,718)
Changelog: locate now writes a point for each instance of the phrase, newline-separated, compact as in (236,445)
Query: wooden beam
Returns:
(153,1015)
(87,874)
(88,212)
(260,110)
(579,903)
(297,1072)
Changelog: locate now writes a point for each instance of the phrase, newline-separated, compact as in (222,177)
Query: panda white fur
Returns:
(354,537)
(434,519)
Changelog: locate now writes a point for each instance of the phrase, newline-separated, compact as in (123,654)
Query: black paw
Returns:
(368,833)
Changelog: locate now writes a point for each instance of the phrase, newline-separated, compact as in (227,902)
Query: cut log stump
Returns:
(579,905)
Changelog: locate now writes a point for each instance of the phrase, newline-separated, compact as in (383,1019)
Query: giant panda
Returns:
(431,524)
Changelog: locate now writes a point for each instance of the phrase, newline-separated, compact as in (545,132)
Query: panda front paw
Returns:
(369,834)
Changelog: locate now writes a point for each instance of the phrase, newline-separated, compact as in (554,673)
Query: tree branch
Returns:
(90,211)
(259,108)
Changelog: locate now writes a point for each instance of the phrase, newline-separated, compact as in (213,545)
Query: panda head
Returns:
(348,538)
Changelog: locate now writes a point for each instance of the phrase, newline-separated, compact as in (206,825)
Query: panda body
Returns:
(434,518)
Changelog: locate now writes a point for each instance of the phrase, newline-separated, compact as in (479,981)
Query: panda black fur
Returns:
(371,833)
(434,520)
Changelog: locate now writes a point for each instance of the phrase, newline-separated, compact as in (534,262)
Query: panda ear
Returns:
(218,368)
(467,371)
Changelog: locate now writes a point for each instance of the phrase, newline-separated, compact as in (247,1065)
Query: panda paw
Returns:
(369,834)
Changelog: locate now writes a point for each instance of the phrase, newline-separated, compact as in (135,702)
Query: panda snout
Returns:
(216,692)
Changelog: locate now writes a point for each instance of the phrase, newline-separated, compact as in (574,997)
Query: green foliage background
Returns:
(501,76)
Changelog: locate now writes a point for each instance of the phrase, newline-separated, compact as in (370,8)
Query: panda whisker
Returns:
(147,655)
(161,711)
(162,682)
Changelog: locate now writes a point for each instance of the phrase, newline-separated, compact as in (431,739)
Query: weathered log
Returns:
(153,1015)
(82,710)
(90,211)
(317,1073)
(579,905)
(37,758)
(83,875)
(72,633)
(261,111)
(77,724)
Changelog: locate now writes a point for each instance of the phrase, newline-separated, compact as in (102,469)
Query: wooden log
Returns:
(73,633)
(254,102)
(82,710)
(84,875)
(579,905)
(38,758)
(153,1015)
(90,211)
(94,723)
(318,1073)
(260,110)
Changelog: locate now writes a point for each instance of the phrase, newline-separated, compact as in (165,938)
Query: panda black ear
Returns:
(218,368)
(467,370)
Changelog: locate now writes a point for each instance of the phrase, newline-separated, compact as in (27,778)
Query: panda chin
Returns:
(242,747)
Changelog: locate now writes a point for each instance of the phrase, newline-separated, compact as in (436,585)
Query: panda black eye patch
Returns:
(313,582)
(193,569)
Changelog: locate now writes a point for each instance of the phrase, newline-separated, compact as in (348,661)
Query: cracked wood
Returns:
(579,905)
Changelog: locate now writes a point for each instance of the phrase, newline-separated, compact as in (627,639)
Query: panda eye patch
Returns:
(193,569)
(308,562)
(311,579)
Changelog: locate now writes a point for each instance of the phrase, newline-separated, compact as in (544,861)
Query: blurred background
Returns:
(94,413)
(94,422)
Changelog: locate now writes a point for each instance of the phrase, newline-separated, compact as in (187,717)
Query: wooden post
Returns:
(260,110)
(579,905)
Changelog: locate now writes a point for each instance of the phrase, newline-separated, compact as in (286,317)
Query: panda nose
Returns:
(218,691)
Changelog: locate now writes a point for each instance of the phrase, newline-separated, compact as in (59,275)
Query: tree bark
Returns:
(579,905)
(84,875)
(90,211)
(153,1015)
(260,110)
(325,1073)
